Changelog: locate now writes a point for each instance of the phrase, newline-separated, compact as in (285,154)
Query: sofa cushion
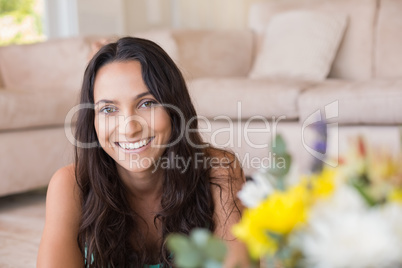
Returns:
(354,58)
(29,158)
(299,44)
(24,109)
(242,98)
(209,53)
(368,102)
(388,49)
(43,65)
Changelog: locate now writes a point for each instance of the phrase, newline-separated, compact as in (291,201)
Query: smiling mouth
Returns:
(135,145)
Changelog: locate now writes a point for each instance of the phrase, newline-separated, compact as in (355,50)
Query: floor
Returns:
(22,218)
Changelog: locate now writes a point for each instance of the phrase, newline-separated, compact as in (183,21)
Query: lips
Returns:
(135,145)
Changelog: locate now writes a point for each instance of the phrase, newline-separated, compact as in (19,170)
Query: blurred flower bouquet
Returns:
(348,216)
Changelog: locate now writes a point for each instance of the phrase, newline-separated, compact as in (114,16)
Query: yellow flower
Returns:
(254,235)
(323,184)
(382,166)
(395,195)
(320,185)
(280,213)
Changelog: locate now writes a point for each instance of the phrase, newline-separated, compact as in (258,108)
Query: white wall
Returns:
(121,17)
(213,14)
(195,14)
(187,14)
(60,18)
(147,14)
(101,17)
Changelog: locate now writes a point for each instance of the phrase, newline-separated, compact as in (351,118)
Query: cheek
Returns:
(162,123)
(165,124)
(104,128)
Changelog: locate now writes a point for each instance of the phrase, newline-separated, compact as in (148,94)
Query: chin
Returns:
(136,163)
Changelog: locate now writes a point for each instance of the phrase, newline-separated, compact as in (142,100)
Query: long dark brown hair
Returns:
(107,219)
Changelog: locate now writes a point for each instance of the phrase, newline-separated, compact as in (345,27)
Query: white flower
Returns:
(393,213)
(255,190)
(342,235)
(343,199)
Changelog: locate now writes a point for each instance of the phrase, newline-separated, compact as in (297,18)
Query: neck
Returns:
(143,186)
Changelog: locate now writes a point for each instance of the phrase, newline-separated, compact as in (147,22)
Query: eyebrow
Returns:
(135,98)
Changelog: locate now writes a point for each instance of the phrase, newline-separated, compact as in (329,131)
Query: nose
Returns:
(131,126)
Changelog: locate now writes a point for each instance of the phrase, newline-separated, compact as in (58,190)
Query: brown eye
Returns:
(108,110)
(147,104)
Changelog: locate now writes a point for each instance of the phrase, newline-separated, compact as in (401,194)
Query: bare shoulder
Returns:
(59,247)
(63,190)
(64,177)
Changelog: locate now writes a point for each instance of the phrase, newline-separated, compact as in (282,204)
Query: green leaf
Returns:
(185,252)
(279,145)
(281,165)
(364,194)
(212,264)
(200,237)
(188,259)
(199,249)
(275,236)
(216,249)
(178,242)
(281,162)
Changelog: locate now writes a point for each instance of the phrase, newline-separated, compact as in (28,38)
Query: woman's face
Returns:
(131,125)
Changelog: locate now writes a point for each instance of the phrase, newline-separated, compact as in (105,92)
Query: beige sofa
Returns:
(40,84)
(364,84)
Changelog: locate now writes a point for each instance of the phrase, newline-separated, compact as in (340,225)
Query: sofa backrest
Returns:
(41,66)
(354,59)
(212,53)
(388,40)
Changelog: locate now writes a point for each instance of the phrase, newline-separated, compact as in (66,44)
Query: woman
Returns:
(141,170)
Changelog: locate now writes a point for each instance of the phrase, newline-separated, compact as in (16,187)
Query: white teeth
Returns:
(134,145)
